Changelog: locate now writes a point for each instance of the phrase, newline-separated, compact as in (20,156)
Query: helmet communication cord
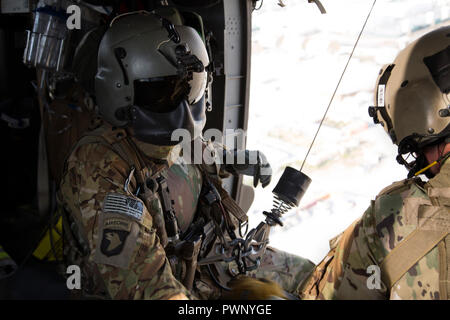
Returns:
(441,159)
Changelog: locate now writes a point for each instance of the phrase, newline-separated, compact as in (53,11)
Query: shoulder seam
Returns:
(396,186)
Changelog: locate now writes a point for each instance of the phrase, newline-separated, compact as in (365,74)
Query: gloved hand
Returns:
(249,163)
(247,288)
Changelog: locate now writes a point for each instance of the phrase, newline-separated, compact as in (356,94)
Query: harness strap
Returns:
(227,201)
(444,270)
(121,144)
(43,183)
(146,171)
(408,252)
(43,178)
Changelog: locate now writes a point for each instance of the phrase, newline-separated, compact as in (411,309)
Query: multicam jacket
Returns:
(399,248)
(114,236)
(125,259)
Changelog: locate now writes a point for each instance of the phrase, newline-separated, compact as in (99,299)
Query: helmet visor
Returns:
(160,94)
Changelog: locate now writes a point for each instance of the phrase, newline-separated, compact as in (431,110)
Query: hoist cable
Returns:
(339,82)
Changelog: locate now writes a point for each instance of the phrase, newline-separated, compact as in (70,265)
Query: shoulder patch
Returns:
(123,204)
(113,242)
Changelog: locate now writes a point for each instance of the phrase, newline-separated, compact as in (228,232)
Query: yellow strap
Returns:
(50,244)
(4,255)
(407,253)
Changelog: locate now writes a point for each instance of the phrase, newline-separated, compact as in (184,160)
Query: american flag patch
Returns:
(122,204)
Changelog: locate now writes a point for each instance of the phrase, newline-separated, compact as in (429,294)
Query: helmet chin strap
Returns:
(417,165)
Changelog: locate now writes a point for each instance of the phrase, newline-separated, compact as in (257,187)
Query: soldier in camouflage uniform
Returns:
(132,204)
(399,248)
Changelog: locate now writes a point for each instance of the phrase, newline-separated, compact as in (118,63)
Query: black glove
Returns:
(249,163)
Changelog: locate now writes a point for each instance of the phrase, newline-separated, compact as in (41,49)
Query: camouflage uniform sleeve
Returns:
(125,252)
(351,270)
(346,271)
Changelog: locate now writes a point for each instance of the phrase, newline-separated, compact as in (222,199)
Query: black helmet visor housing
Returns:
(160,95)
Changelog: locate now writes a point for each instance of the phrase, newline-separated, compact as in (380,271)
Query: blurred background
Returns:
(298,56)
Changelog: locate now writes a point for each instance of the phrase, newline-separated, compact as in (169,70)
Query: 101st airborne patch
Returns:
(115,233)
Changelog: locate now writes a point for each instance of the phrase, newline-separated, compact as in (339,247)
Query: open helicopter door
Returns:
(230,25)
